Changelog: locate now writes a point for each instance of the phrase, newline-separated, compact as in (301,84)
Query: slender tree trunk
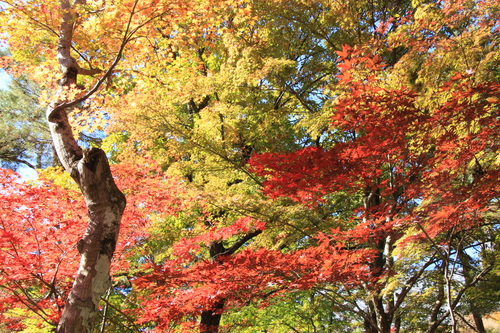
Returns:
(369,326)
(478,321)
(380,320)
(468,276)
(105,202)
(434,320)
(105,207)
(210,318)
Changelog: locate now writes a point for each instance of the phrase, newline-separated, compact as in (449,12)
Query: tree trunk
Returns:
(210,318)
(467,270)
(478,321)
(434,319)
(105,202)
(381,320)
(105,207)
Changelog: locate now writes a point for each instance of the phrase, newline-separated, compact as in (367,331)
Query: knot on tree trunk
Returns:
(91,158)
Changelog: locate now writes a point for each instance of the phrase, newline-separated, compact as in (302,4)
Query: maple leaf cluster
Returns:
(41,224)
(402,151)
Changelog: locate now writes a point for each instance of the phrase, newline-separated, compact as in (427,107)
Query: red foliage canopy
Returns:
(41,223)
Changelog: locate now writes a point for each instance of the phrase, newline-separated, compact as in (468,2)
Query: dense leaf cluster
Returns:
(304,165)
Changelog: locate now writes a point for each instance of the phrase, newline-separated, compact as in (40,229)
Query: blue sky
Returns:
(4,79)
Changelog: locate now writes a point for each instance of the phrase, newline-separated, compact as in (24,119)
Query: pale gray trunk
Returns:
(105,202)
(105,205)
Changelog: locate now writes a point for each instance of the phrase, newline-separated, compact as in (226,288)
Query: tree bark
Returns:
(105,202)
(381,318)
(210,319)
(105,205)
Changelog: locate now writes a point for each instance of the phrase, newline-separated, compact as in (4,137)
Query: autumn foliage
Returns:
(39,250)
(288,165)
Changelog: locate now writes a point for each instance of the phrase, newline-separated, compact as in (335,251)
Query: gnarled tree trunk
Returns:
(105,202)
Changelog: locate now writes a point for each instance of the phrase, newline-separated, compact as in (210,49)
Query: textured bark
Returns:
(105,205)
(105,202)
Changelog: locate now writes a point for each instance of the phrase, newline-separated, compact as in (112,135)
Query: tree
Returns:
(235,101)
(334,149)
(415,165)
(88,167)
(37,242)
(25,136)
